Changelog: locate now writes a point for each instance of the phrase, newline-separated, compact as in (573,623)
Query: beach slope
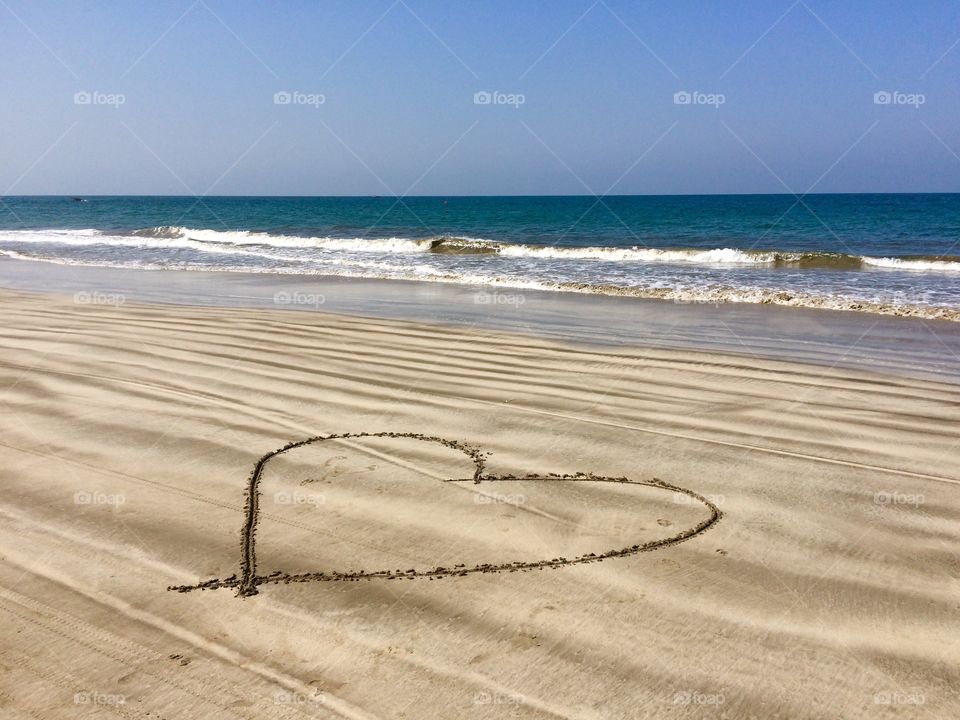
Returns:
(830,586)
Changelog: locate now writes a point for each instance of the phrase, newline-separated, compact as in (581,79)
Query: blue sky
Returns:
(180,97)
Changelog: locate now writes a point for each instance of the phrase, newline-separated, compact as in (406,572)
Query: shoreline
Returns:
(907,346)
(713,295)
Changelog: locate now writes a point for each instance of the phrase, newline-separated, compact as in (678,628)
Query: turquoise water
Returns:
(884,253)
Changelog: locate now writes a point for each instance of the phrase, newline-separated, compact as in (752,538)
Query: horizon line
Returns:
(461,195)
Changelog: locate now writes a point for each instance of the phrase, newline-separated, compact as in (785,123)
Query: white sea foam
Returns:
(683,275)
(682,294)
(634,254)
(468,245)
(244,237)
(916,265)
(259,244)
(219,241)
(65,237)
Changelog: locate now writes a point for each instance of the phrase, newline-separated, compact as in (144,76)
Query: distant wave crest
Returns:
(218,240)
(233,242)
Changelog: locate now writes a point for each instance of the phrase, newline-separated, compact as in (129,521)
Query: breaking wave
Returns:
(220,240)
(920,286)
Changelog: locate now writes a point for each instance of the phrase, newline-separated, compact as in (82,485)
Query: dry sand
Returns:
(828,589)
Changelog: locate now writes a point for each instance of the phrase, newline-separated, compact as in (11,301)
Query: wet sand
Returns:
(825,586)
(911,347)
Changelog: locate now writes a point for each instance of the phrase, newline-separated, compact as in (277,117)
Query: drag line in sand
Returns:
(224,653)
(730,443)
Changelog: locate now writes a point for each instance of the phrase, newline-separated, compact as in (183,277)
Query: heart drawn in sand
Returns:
(248,580)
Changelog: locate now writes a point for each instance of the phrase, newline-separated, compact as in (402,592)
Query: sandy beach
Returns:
(828,588)
(479,361)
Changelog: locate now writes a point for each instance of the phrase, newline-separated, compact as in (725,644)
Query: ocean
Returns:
(890,254)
